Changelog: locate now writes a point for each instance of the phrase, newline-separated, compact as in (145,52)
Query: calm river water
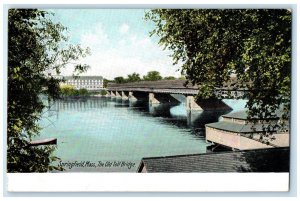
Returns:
(110,135)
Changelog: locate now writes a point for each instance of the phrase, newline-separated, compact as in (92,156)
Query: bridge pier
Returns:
(191,104)
(152,99)
(124,96)
(112,94)
(131,96)
(157,98)
(118,95)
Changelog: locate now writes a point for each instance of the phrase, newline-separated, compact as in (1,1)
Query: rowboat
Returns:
(48,141)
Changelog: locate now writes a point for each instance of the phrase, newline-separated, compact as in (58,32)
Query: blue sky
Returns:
(119,41)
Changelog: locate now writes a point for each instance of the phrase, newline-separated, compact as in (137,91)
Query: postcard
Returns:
(102,91)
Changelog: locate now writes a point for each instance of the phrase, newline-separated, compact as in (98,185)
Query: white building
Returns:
(91,83)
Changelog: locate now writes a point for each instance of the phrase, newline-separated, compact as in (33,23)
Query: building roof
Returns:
(237,115)
(243,115)
(259,160)
(83,77)
(178,84)
(239,128)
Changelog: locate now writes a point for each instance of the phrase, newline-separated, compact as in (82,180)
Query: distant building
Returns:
(91,83)
(238,133)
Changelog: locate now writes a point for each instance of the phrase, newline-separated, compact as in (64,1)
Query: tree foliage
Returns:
(67,90)
(169,78)
(103,92)
(35,45)
(214,44)
(119,80)
(83,92)
(106,81)
(134,77)
(152,76)
(70,91)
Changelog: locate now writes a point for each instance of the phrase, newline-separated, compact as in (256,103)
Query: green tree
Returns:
(214,44)
(103,92)
(83,92)
(182,77)
(35,45)
(169,78)
(152,76)
(105,82)
(120,80)
(67,90)
(134,77)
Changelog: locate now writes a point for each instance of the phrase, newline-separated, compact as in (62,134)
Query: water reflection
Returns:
(168,113)
(172,114)
(79,104)
(175,115)
(193,120)
(119,102)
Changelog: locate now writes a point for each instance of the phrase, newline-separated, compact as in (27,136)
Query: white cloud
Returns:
(126,55)
(94,38)
(123,29)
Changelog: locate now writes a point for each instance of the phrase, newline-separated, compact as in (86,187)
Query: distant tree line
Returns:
(135,77)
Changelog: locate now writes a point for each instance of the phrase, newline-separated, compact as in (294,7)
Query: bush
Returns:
(68,90)
(83,92)
(103,92)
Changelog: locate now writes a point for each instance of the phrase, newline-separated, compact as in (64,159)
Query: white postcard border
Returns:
(153,182)
(118,182)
